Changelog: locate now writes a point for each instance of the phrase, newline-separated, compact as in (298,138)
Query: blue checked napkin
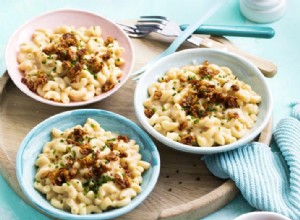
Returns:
(269,181)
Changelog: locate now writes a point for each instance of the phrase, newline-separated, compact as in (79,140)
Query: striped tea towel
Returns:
(269,181)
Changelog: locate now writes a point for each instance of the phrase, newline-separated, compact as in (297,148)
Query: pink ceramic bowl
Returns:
(68,17)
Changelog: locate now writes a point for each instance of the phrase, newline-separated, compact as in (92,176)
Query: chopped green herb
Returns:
(196,121)
(112,139)
(89,138)
(85,190)
(104,179)
(73,63)
(191,78)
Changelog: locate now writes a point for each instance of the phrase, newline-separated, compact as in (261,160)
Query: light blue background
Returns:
(283,49)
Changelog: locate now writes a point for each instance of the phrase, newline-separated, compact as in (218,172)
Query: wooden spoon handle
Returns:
(266,134)
(268,68)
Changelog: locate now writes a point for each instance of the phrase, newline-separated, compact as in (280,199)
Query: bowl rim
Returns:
(253,215)
(104,215)
(202,150)
(38,98)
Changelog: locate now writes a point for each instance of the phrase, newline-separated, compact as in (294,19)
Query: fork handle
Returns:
(268,68)
(237,31)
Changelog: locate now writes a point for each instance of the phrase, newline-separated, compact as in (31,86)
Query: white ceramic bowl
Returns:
(262,216)
(33,143)
(68,17)
(243,69)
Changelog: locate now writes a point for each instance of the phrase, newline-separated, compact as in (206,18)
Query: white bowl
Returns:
(32,146)
(262,216)
(66,17)
(242,68)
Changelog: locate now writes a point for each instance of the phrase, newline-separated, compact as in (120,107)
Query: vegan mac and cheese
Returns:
(86,169)
(69,64)
(201,105)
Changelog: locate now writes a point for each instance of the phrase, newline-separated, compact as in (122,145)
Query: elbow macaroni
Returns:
(86,169)
(201,105)
(69,64)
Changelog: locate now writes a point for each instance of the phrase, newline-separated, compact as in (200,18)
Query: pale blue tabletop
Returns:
(283,49)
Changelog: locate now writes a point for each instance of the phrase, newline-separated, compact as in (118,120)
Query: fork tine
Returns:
(155,17)
(127,27)
(133,35)
(148,26)
(136,34)
(137,78)
(152,21)
(133,31)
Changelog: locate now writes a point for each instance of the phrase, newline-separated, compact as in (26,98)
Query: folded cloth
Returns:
(269,181)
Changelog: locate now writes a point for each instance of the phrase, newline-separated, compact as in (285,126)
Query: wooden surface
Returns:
(185,189)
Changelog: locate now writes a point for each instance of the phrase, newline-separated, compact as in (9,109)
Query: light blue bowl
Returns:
(241,67)
(33,143)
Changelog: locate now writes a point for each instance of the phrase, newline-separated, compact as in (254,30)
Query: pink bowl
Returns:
(66,17)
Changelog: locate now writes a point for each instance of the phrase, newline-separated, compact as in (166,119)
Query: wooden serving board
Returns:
(185,188)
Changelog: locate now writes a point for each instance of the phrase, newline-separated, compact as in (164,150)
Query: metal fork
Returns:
(160,24)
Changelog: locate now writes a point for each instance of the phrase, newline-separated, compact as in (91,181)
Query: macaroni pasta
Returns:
(88,170)
(70,64)
(201,105)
